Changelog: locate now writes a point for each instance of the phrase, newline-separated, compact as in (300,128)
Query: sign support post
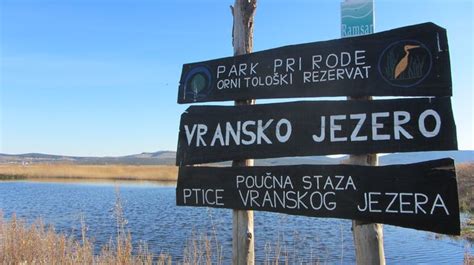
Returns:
(242,221)
(368,237)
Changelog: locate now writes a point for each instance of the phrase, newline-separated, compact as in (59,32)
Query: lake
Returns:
(154,218)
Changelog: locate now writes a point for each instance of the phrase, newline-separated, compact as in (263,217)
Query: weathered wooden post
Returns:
(368,237)
(242,225)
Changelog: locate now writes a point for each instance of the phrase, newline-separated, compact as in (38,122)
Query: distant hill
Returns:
(389,159)
(413,157)
(168,158)
(156,158)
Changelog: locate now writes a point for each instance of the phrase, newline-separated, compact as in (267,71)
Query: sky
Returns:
(100,77)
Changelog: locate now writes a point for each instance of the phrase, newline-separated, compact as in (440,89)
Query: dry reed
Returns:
(71,171)
(465,175)
(40,244)
(468,259)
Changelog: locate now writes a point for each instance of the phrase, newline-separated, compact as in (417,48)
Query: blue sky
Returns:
(100,77)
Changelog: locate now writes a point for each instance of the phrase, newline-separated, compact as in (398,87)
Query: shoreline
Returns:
(89,172)
(62,179)
(92,181)
(63,172)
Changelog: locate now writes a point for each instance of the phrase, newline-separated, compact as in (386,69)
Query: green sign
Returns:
(357,18)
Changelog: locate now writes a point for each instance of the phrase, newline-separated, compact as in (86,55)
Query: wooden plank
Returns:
(371,65)
(221,133)
(421,196)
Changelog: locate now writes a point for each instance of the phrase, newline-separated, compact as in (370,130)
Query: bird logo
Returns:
(402,65)
(405,63)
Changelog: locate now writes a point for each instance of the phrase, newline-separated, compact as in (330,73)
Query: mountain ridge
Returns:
(168,158)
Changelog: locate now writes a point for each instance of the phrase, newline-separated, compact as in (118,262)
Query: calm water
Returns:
(153,217)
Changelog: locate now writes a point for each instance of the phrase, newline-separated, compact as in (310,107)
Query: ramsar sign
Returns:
(421,196)
(409,61)
(357,18)
(220,133)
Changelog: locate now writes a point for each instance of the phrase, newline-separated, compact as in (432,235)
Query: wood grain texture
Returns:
(243,246)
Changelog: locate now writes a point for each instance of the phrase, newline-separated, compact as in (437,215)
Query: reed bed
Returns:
(36,243)
(468,259)
(40,244)
(465,175)
(71,171)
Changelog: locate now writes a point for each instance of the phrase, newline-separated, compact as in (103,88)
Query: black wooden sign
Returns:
(408,61)
(421,196)
(220,133)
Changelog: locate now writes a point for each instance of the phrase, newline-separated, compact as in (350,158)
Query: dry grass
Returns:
(70,171)
(467,229)
(468,259)
(39,244)
(203,249)
(465,174)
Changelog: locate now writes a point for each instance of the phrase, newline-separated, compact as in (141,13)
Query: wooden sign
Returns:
(421,196)
(408,61)
(221,133)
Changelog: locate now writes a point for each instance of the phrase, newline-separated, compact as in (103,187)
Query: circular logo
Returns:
(405,63)
(197,83)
